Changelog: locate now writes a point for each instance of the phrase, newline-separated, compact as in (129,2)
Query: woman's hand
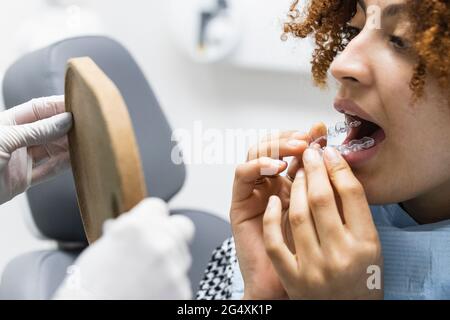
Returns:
(255,181)
(335,238)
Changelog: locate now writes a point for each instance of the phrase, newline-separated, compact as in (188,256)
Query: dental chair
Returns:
(53,204)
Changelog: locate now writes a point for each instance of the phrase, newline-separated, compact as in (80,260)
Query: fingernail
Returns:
(271,203)
(332,155)
(300,135)
(278,163)
(294,143)
(272,168)
(300,174)
(311,155)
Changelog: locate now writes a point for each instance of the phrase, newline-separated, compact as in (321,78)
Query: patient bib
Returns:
(416,257)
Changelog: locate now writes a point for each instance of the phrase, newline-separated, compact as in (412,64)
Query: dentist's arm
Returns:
(33,144)
(143,254)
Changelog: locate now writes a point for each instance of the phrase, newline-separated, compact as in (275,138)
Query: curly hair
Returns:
(327,21)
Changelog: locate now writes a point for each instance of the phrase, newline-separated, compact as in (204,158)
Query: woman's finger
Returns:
(269,145)
(321,198)
(278,148)
(288,134)
(318,130)
(295,165)
(282,258)
(248,173)
(301,221)
(355,207)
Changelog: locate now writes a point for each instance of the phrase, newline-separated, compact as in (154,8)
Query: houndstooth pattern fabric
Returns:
(217,281)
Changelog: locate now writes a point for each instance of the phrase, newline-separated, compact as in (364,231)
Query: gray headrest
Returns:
(41,73)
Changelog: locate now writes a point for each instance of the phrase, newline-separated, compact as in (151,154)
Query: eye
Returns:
(399,43)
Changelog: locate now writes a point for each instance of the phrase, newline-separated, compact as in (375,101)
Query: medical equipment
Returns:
(206,17)
(211,29)
(339,129)
(244,35)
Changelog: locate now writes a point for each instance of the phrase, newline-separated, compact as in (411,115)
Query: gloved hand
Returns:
(33,144)
(142,254)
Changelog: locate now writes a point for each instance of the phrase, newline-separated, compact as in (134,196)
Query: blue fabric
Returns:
(416,257)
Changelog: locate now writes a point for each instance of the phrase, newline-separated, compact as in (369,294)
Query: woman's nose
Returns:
(352,66)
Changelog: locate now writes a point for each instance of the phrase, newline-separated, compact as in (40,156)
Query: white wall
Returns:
(221,96)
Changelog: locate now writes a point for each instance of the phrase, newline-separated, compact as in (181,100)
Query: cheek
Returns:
(415,158)
(393,75)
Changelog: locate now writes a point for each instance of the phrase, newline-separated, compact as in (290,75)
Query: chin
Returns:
(377,189)
(379,199)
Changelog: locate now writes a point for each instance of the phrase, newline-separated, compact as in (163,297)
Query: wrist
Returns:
(249,293)
(248,296)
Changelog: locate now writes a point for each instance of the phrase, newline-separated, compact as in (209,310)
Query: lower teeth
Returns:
(356,145)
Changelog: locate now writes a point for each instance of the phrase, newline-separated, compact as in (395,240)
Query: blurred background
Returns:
(221,62)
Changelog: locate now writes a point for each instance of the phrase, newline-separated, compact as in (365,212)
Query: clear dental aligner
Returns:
(343,128)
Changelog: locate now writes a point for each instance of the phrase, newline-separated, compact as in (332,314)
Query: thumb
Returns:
(35,133)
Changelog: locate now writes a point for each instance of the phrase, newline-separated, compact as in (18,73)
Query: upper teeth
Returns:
(350,114)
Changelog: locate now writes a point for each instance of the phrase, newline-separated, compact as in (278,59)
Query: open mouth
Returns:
(364,137)
(365,129)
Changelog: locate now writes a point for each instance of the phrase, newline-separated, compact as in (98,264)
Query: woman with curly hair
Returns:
(372,224)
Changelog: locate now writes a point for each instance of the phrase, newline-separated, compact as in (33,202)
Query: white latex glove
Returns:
(143,254)
(33,144)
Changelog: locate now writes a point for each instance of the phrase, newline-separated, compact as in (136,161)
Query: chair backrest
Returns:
(35,275)
(41,73)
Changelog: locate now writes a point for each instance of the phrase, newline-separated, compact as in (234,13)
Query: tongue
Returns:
(366,129)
